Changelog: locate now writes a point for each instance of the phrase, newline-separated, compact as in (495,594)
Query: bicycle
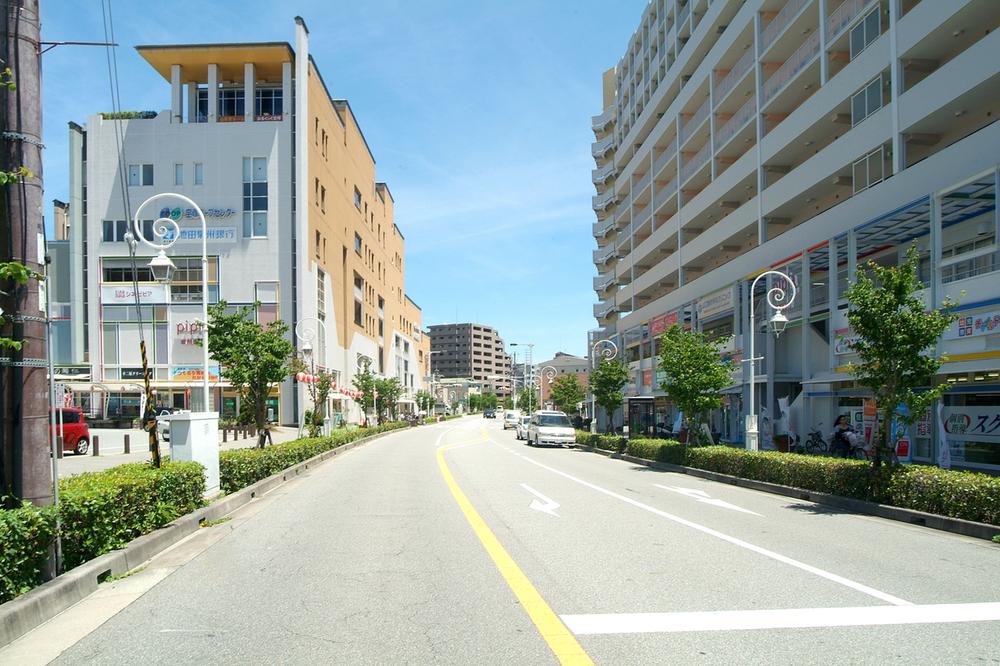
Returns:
(815,444)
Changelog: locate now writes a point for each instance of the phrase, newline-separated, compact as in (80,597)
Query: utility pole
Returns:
(25,461)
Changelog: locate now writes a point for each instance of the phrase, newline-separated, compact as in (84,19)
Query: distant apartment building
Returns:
(60,222)
(561,364)
(806,136)
(471,351)
(296,223)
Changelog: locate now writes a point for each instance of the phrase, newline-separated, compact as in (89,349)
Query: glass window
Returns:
(267,102)
(357,198)
(108,235)
(147,174)
(357,243)
(109,333)
(866,101)
(865,32)
(178,174)
(230,104)
(255,197)
(199,173)
(202,111)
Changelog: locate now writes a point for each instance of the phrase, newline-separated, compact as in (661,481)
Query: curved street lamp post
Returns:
(779,299)
(608,351)
(366,363)
(548,373)
(307,336)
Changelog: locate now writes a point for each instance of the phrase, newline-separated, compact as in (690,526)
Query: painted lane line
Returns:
(786,618)
(545,505)
(864,589)
(563,644)
(705,498)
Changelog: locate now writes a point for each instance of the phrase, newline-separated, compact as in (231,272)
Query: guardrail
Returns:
(601,120)
(688,128)
(601,147)
(774,29)
(795,64)
(666,156)
(736,123)
(842,16)
(696,162)
(729,81)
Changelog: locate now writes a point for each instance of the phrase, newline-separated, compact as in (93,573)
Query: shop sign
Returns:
(189,332)
(981,423)
(193,373)
(843,338)
(975,325)
(659,324)
(132,373)
(178,214)
(214,234)
(714,304)
(125,294)
(72,370)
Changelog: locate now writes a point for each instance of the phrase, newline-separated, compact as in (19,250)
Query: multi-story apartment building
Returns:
(297,224)
(807,136)
(471,351)
(560,364)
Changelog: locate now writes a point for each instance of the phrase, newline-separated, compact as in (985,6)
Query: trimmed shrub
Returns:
(25,534)
(966,495)
(102,511)
(660,450)
(238,468)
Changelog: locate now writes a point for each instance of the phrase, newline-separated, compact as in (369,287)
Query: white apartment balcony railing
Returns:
(696,161)
(601,174)
(688,128)
(604,280)
(601,255)
(602,201)
(603,228)
(729,81)
(601,147)
(666,156)
(774,29)
(842,16)
(684,13)
(602,120)
(795,64)
(604,308)
(736,123)
(623,246)
(642,183)
(667,191)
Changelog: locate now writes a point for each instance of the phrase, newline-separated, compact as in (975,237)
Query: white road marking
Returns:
(545,505)
(864,589)
(704,498)
(786,618)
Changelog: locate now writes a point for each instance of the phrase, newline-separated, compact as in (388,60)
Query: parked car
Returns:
(550,427)
(489,414)
(71,425)
(522,427)
(163,422)
(510,418)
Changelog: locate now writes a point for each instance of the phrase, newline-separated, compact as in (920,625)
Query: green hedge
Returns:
(102,511)
(958,494)
(238,468)
(25,534)
(598,441)
(98,512)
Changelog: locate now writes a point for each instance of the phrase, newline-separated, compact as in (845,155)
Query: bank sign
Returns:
(178,214)
(213,234)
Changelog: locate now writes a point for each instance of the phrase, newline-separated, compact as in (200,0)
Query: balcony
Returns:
(665,192)
(665,157)
(735,75)
(604,281)
(697,161)
(603,146)
(623,246)
(600,175)
(602,201)
(683,14)
(604,308)
(603,254)
(774,29)
(695,121)
(601,121)
(843,16)
(729,129)
(603,228)
(795,64)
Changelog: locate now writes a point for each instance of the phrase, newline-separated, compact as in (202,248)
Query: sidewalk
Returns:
(112,448)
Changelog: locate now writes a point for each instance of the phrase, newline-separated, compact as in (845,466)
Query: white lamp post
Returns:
(778,299)
(547,373)
(187,441)
(366,363)
(307,336)
(608,350)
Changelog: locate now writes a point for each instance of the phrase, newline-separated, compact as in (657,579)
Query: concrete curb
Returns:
(21,615)
(955,525)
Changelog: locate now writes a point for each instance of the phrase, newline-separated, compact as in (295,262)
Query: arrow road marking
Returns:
(704,498)
(545,505)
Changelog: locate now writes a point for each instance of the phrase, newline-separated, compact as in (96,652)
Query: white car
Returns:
(550,427)
(510,418)
(522,427)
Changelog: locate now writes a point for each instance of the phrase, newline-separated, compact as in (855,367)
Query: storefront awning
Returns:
(829,378)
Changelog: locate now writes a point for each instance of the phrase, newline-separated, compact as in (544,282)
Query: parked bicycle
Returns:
(815,444)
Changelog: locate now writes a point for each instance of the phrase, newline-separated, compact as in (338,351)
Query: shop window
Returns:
(968,259)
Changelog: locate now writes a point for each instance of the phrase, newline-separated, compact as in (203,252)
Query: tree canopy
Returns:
(566,392)
(607,381)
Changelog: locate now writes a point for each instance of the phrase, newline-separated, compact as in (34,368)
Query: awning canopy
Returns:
(829,378)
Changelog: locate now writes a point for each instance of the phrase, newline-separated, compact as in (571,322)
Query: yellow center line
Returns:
(560,640)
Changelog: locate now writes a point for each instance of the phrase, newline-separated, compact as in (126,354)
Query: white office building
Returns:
(807,136)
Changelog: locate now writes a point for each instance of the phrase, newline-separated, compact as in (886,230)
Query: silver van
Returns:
(550,427)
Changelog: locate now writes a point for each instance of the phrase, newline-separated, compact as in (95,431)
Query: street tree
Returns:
(364,382)
(253,357)
(607,381)
(566,393)
(894,338)
(695,375)
(526,400)
(320,391)
(425,401)
(489,400)
(389,390)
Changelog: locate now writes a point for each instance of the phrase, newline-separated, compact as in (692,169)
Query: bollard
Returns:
(96,446)
(224,432)
(59,446)
(128,445)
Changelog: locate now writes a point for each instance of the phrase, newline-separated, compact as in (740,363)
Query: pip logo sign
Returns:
(964,326)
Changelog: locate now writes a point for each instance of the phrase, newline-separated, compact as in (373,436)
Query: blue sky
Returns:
(478,114)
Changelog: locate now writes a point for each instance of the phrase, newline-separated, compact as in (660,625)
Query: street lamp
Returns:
(608,350)
(187,442)
(366,362)
(778,299)
(307,335)
(548,372)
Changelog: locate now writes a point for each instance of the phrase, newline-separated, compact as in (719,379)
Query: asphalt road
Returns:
(454,543)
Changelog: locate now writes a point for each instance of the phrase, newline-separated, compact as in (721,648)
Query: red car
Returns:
(74,430)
